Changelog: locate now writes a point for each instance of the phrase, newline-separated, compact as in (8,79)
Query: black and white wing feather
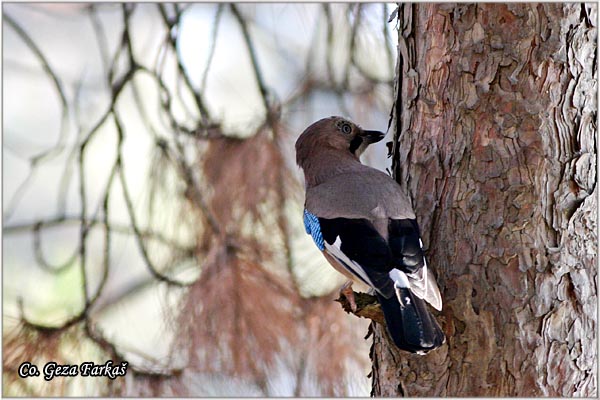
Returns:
(395,268)
(406,245)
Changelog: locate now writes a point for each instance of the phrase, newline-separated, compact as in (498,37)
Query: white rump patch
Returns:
(400,279)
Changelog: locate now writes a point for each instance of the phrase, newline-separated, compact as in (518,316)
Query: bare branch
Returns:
(100,35)
(39,256)
(57,148)
(257,71)
(57,85)
(352,50)
(170,23)
(213,42)
(131,212)
(122,229)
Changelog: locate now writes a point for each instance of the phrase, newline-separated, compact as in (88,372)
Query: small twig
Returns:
(63,220)
(16,198)
(131,290)
(75,319)
(128,9)
(352,50)
(386,36)
(57,85)
(166,101)
(100,35)
(262,87)
(337,88)
(107,233)
(169,23)
(116,356)
(184,169)
(192,188)
(39,255)
(329,22)
(83,229)
(213,46)
(131,211)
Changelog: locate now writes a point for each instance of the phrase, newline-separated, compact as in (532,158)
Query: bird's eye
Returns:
(346,128)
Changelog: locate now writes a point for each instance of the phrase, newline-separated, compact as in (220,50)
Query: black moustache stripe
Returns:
(355,144)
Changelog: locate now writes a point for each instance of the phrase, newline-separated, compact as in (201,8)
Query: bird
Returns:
(366,228)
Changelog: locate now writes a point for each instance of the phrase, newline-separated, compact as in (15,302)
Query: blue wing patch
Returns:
(313,228)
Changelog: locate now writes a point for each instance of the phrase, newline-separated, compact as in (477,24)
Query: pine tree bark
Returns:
(496,145)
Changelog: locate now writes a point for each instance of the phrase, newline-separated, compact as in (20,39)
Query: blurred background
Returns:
(152,208)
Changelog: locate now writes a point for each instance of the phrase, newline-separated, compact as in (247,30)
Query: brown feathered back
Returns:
(337,184)
(366,193)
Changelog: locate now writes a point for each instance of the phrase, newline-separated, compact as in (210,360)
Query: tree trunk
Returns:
(496,145)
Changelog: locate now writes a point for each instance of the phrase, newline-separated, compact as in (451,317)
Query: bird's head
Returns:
(335,133)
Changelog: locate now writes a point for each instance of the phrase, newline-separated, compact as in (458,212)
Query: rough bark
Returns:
(496,145)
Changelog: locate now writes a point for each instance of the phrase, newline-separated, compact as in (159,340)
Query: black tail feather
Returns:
(410,324)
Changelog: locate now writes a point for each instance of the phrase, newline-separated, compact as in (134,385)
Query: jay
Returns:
(366,228)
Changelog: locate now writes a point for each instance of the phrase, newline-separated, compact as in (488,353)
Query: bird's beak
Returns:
(372,136)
